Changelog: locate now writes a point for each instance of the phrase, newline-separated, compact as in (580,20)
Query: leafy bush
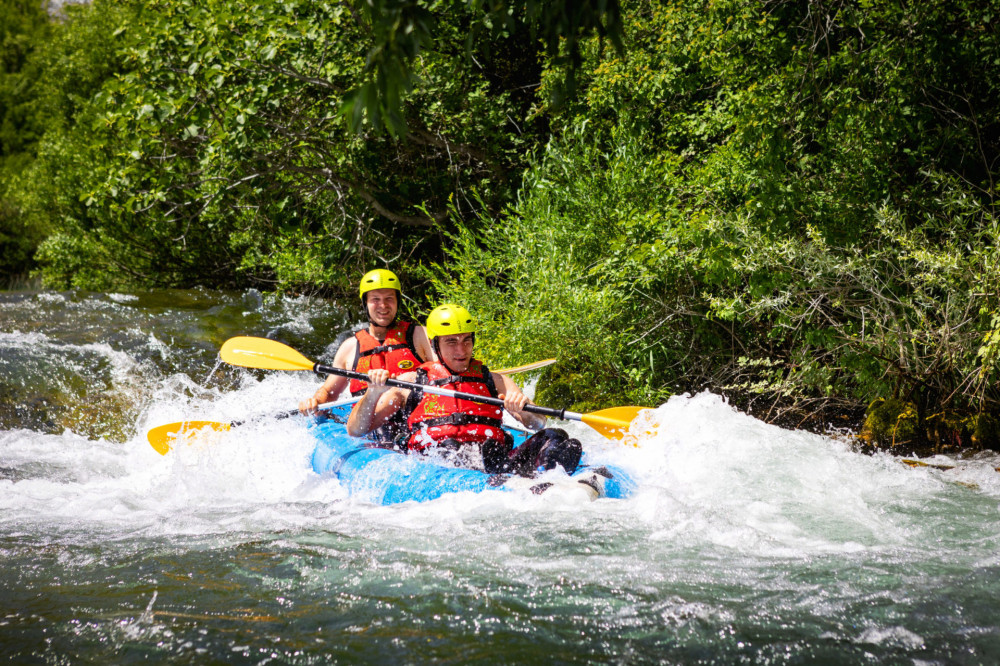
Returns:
(227,160)
(60,143)
(790,203)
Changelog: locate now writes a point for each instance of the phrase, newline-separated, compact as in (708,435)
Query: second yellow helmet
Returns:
(379,278)
(449,319)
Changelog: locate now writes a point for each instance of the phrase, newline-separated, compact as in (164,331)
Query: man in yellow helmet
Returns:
(387,343)
(469,429)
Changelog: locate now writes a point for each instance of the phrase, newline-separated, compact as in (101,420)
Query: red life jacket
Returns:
(436,418)
(397,353)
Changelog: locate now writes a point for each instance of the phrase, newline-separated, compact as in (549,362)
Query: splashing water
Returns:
(744,543)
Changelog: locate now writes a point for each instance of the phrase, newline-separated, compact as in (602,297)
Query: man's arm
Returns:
(378,404)
(334,384)
(423,345)
(514,402)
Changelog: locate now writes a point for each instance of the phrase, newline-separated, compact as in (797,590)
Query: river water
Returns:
(745,543)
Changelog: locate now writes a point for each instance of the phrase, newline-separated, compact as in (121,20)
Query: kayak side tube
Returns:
(385,476)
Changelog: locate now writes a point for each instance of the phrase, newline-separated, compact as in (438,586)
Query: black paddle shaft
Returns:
(489,400)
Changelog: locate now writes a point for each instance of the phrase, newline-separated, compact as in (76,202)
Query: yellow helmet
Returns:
(449,320)
(379,278)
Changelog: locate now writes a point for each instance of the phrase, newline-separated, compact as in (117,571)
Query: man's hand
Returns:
(308,406)
(377,378)
(363,418)
(514,402)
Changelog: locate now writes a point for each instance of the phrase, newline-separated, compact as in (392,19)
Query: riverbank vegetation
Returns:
(790,203)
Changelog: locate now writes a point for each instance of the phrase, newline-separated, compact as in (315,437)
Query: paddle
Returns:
(267,354)
(526,367)
(161,438)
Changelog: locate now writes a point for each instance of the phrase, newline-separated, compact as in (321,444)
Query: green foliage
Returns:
(543,284)
(24,26)
(792,203)
(400,32)
(56,144)
(891,423)
(225,163)
(986,433)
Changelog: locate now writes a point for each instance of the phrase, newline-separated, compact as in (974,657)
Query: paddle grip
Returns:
(489,400)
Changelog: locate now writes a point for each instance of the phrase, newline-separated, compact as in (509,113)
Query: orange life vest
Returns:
(436,418)
(397,353)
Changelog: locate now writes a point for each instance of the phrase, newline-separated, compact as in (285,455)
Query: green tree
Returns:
(24,27)
(794,203)
(228,161)
(63,141)
(399,32)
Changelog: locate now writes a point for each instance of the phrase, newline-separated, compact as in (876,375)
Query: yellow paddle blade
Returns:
(262,353)
(613,423)
(526,367)
(162,438)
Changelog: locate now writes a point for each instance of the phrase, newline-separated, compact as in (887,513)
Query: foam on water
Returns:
(738,528)
(759,489)
(709,477)
(744,542)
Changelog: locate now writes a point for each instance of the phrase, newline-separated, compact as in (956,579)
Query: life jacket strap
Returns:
(459,419)
(381,349)
(455,379)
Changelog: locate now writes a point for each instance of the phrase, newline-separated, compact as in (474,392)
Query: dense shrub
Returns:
(791,203)
(54,142)
(225,159)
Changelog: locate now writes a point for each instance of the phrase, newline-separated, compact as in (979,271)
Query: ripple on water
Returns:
(745,542)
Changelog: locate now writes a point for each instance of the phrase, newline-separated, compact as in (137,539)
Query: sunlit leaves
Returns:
(820,203)
(227,111)
(399,31)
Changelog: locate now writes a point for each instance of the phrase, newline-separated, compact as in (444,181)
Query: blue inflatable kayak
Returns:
(385,476)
